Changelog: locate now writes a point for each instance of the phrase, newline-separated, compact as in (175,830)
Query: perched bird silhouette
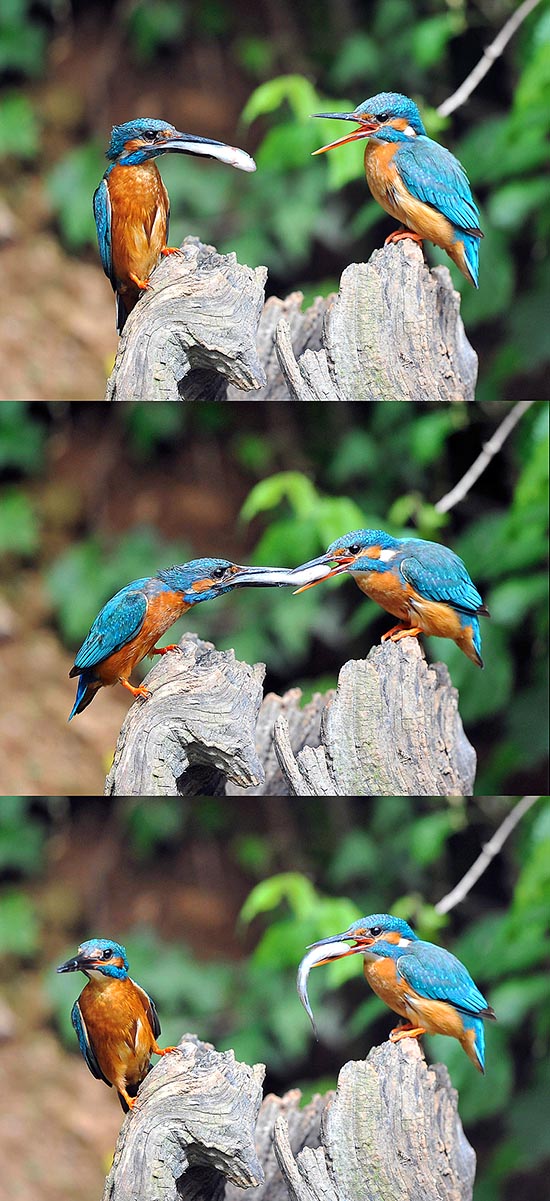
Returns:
(115,1020)
(426,985)
(425,585)
(131,205)
(129,625)
(415,179)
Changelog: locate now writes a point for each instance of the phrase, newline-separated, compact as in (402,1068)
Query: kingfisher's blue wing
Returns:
(439,575)
(436,974)
(85,1044)
(102,214)
(433,175)
(119,621)
(151,1009)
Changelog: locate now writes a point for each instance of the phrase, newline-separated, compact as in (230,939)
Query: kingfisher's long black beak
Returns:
(365,127)
(190,143)
(79,963)
(342,939)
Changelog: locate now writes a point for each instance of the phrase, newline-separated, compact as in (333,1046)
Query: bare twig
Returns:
(490,449)
(488,853)
(490,56)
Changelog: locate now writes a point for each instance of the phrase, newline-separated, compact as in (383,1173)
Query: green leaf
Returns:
(511,206)
(19,928)
(290,485)
(296,90)
(70,185)
(430,36)
(19,530)
(22,437)
(510,602)
(514,999)
(19,132)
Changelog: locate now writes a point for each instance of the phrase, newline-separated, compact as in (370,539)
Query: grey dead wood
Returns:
(392,332)
(392,728)
(196,729)
(304,729)
(392,1131)
(198,1131)
(192,1129)
(193,331)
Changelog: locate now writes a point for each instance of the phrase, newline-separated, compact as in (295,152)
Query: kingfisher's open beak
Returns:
(189,143)
(338,947)
(322,562)
(366,127)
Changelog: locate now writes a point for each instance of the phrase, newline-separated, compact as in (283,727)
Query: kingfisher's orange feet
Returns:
(143,284)
(403,232)
(135,691)
(170,250)
(162,1050)
(413,632)
(163,650)
(393,630)
(407,1031)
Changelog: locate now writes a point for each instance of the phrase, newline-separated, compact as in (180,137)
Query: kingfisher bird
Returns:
(426,985)
(115,1020)
(131,205)
(415,179)
(425,585)
(126,629)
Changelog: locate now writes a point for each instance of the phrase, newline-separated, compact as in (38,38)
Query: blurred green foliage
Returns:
(390,854)
(304,217)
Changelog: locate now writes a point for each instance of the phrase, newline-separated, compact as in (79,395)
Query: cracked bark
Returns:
(392,728)
(200,1132)
(392,332)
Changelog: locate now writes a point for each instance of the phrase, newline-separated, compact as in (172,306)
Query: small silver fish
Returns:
(268,577)
(316,954)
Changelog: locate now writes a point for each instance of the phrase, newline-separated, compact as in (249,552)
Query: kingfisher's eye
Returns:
(382,116)
(354,548)
(107,953)
(218,572)
(375,931)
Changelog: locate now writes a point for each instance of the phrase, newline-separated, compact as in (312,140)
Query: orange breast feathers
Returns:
(139,212)
(382,976)
(389,190)
(387,590)
(162,611)
(437,1017)
(119,1030)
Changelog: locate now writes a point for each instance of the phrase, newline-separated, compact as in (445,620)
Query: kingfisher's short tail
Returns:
(85,691)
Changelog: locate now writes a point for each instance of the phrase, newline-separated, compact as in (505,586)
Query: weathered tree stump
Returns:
(193,332)
(393,332)
(191,1129)
(390,1131)
(391,729)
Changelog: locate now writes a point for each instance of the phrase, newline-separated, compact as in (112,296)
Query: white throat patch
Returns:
(386,555)
(409,131)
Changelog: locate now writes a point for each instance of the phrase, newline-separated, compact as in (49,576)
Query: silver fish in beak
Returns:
(318,953)
(269,577)
(189,143)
